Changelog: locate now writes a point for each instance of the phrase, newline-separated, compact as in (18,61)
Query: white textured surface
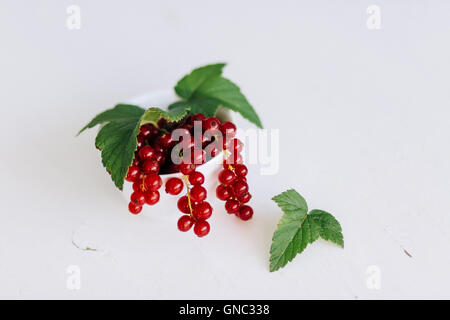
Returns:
(364,120)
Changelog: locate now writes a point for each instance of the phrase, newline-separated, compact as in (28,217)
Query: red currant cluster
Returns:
(199,139)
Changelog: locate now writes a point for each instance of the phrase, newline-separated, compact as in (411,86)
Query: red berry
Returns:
(203,210)
(174,186)
(166,141)
(134,208)
(198,193)
(201,228)
(140,141)
(240,170)
(137,185)
(146,152)
(245,212)
(196,178)
(146,131)
(232,206)
(133,173)
(183,205)
(150,166)
(186,168)
(211,124)
(234,158)
(240,187)
(226,177)
(153,182)
(151,197)
(158,148)
(198,117)
(159,157)
(138,198)
(185,223)
(135,162)
(228,129)
(212,150)
(237,146)
(244,198)
(223,192)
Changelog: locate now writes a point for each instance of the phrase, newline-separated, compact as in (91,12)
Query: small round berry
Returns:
(211,124)
(133,173)
(137,185)
(138,198)
(240,187)
(185,223)
(153,182)
(198,193)
(201,228)
(134,208)
(146,131)
(237,145)
(226,177)
(183,205)
(234,158)
(196,178)
(245,212)
(158,148)
(166,140)
(146,152)
(159,157)
(228,129)
(152,197)
(174,186)
(140,141)
(135,162)
(198,117)
(240,170)
(245,198)
(186,168)
(232,206)
(223,192)
(202,210)
(150,166)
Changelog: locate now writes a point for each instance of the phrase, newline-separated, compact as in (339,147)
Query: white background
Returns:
(364,124)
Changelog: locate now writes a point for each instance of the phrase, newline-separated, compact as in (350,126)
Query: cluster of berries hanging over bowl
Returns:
(180,147)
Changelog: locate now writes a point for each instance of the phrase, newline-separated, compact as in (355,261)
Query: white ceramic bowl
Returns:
(166,208)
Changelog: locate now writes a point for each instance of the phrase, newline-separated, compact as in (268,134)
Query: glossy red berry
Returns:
(166,141)
(240,170)
(202,210)
(228,129)
(198,193)
(185,223)
(159,157)
(140,141)
(244,198)
(152,197)
(134,208)
(237,146)
(211,124)
(196,178)
(146,152)
(152,182)
(133,173)
(223,192)
(226,177)
(198,117)
(150,166)
(137,185)
(201,228)
(146,131)
(138,198)
(245,212)
(232,206)
(240,187)
(183,205)
(186,168)
(174,186)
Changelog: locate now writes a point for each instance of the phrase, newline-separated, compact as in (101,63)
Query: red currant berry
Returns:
(185,223)
(226,177)
(186,168)
(234,158)
(203,210)
(174,186)
(152,197)
(183,205)
(201,228)
(198,193)
(134,208)
(133,173)
(159,157)
(240,170)
(228,129)
(244,198)
(166,141)
(212,150)
(146,152)
(146,131)
(196,178)
(138,198)
(211,124)
(232,206)
(240,187)
(137,185)
(152,182)
(237,145)
(158,148)
(135,162)
(198,117)
(223,192)
(245,212)
(140,142)
(150,166)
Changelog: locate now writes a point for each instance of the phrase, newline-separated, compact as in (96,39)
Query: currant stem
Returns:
(186,182)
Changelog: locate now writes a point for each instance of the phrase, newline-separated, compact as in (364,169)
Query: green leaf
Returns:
(176,113)
(189,83)
(198,105)
(297,229)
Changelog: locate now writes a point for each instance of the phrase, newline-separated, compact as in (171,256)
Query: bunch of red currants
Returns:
(182,146)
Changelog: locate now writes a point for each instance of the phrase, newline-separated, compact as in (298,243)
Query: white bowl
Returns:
(166,208)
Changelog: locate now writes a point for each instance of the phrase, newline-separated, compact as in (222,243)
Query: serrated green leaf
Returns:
(228,95)
(297,229)
(189,83)
(176,113)
(208,107)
